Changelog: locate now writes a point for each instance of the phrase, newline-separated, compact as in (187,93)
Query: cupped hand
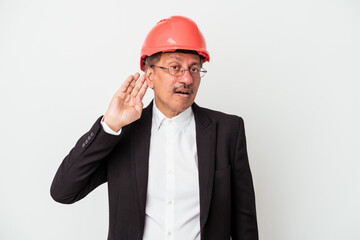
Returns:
(126,105)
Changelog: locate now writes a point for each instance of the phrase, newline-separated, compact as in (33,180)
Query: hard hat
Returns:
(171,34)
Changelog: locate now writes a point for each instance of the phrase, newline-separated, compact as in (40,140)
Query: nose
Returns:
(186,78)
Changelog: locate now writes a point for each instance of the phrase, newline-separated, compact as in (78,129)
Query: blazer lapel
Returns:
(206,145)
(140,149)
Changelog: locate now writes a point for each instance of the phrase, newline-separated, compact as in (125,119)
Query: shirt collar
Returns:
(182,120)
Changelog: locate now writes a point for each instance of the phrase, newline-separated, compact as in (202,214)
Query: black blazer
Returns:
(227,202)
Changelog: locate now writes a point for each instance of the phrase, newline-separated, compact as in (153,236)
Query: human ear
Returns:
(149,77)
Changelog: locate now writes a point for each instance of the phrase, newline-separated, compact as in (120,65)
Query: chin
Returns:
(183,107)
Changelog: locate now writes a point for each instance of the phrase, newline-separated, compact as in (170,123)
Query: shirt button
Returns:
(169,202)
(170,171)
(169,233)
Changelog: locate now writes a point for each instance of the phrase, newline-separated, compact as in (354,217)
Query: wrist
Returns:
(112,123)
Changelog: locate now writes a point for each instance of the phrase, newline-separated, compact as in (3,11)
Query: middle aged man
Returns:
(174,170)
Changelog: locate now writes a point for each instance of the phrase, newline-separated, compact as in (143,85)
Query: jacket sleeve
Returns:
(243,222)
(84,168)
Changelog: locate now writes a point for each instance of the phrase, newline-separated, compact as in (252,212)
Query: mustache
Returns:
(183,87)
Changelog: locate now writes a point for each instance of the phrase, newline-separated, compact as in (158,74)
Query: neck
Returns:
(167,112)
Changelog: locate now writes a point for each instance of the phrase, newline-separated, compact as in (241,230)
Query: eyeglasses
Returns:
(178,71)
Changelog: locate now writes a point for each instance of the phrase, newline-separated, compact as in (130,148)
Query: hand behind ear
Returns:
(126,105)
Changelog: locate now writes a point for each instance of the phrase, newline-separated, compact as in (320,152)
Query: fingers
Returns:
(133,82)
(140,87)
(143,89)
(133,86)
(128,85)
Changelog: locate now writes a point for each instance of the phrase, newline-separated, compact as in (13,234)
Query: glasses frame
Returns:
(182,71)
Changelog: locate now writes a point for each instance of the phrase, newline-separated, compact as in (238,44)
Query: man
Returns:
(174,170)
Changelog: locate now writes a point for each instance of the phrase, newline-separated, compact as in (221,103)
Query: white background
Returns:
(289,68)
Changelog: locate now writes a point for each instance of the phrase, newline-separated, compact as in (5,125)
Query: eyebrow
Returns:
(181,60)
(177,58)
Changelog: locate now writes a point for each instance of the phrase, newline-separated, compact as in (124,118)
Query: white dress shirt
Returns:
(173,202)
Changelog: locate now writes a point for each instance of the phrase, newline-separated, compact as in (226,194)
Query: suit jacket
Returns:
(227,202)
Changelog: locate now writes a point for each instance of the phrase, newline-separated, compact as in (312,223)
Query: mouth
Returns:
(184,91)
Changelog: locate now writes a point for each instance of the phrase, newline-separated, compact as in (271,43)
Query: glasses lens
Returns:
(175,70)
(195,72)
(202,72)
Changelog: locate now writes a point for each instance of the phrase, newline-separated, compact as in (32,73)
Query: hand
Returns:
(126,105)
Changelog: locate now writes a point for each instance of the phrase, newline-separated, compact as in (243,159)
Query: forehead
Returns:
(180,57)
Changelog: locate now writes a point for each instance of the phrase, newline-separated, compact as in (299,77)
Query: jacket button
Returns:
(92,134)
(89,138)
(86,141)
(83,145)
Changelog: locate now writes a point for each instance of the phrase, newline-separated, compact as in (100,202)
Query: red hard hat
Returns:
(171,34)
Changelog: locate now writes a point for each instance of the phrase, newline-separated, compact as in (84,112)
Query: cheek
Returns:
(162,89)
(196,86)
